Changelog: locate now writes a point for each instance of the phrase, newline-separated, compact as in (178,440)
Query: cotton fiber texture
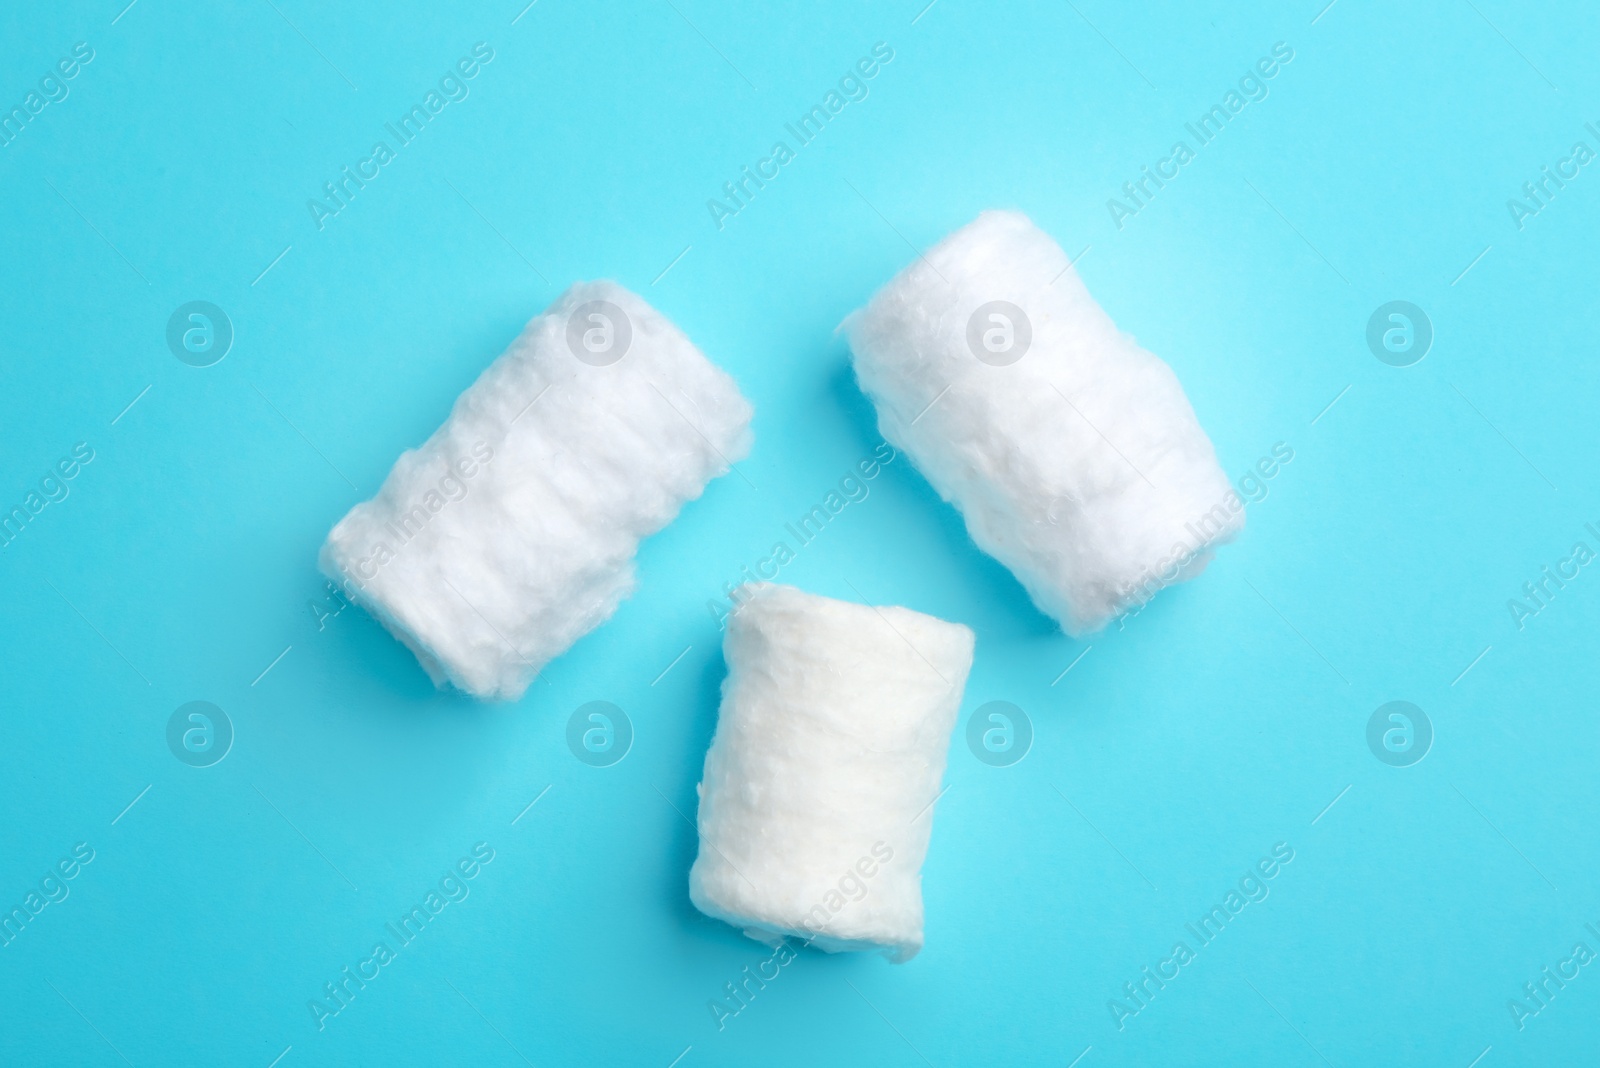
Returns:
(1072,452)
(511,532)
(815,808)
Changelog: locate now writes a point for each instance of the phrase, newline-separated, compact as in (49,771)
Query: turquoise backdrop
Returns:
(1433,876)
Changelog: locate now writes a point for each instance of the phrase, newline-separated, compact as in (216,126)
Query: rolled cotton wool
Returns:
(511,532)
(1072,453)
(815,805)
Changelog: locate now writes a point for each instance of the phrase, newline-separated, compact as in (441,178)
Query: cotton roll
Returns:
(1072,453)
(815,806)
(511,532)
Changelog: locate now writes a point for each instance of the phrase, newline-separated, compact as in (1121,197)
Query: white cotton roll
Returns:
(512,531)
(830,745)
(1072,452)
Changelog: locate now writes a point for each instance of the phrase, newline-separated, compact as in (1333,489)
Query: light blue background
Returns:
(1224,719)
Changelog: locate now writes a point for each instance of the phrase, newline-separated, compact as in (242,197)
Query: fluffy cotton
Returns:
(830,745)
(1072,452)
(511,532)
